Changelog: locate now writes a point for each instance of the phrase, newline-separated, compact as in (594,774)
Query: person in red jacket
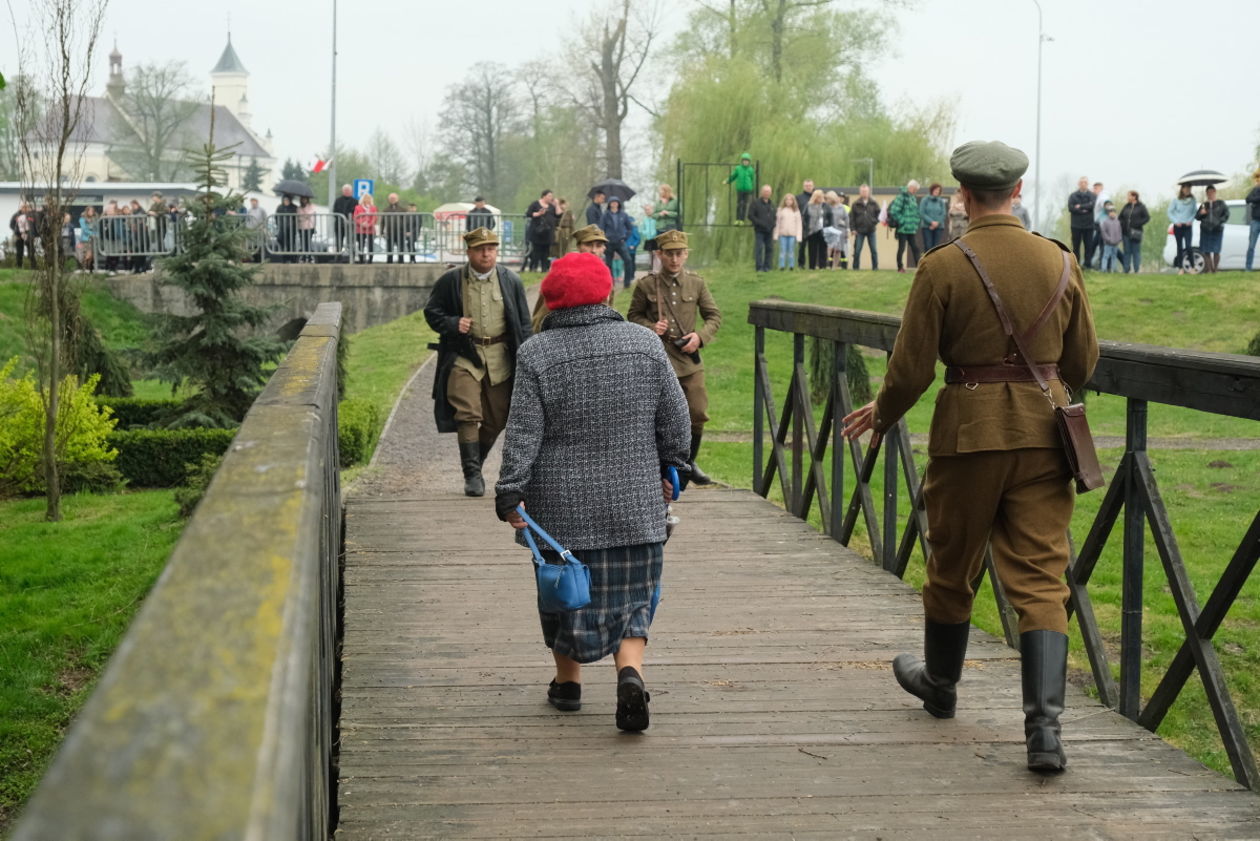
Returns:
(365,226)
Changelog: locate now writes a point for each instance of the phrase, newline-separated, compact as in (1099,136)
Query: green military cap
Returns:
(988,166)
(591,233)
(671,240)
(480,236)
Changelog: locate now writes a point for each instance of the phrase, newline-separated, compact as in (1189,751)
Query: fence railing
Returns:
(214,719)
(1221,384)
(321,237)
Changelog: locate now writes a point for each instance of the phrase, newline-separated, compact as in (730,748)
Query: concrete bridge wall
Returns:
(369,294)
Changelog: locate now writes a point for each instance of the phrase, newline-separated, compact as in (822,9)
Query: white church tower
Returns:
(230,80)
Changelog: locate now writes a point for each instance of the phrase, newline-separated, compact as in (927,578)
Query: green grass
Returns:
(68,591)
(1210,496)
(121,324)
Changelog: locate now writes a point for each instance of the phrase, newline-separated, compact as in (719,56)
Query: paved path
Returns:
(774,711)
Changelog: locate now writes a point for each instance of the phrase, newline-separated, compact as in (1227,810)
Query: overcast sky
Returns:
(1132,96)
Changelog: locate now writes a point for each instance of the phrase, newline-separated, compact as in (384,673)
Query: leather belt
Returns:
(492,341)
(999,373)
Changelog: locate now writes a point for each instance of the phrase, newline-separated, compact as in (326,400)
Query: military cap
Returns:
(671,240)
(591,233)
(988,166)
(480,236)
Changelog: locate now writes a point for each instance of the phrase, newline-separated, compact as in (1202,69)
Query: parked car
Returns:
(1233,244)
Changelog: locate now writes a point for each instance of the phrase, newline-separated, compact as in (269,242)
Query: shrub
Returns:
(1253,349)
(81,438)
(358,429)
(160,458)
(200,473)
(140,412)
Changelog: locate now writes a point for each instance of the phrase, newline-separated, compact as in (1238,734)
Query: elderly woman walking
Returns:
(597,420)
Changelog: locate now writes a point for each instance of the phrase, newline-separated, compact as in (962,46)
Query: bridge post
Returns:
(1134,546)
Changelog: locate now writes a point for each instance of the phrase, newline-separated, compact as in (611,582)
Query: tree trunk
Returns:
(777,23)
(52,479)
(609,71)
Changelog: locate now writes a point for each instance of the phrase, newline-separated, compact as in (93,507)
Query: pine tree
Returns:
(218,352)
(293,170)
(251,182)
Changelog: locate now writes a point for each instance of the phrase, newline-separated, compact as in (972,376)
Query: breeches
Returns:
(1019,502)
(697,400)
(481,409)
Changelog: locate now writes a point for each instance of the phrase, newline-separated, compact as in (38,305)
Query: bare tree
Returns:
(152,131)
(615,48)
(387,160)
(481,112)
(57,51)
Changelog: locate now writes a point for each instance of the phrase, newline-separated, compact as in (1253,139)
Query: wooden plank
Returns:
(775,713)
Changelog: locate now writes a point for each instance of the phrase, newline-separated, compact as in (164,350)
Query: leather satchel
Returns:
(564,586)
(1078,441)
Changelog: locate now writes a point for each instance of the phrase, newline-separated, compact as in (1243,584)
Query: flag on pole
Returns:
(318,164)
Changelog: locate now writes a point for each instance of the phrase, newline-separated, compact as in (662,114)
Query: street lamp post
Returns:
(1041,39)
(332,141)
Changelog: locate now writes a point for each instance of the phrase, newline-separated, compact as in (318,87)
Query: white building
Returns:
(99,129)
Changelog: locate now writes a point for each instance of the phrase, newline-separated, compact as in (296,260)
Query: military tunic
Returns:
(997,472)
(689,308)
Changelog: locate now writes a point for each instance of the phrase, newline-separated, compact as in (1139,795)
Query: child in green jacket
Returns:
(745,178)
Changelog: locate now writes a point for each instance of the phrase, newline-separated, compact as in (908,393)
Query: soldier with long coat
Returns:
(481,317)
(997,474)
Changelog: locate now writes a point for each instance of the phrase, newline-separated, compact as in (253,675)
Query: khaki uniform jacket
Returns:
(950,315)
(693,304)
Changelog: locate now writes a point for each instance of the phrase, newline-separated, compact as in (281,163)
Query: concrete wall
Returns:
(369,294)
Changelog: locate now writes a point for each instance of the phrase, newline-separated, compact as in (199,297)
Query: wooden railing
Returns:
(214,719)
(1221,384)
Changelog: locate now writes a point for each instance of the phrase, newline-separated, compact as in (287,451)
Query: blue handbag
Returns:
(561,587)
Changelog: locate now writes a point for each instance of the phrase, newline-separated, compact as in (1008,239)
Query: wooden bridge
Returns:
(230,711)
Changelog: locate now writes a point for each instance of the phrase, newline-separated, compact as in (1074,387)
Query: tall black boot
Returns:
(1043,665)
(934,678)
(698,476)
(470,460)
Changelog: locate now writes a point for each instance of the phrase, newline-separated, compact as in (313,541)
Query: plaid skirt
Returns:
(623,581)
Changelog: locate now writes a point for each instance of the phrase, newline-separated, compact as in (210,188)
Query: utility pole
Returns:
(1042,38)
(332,142)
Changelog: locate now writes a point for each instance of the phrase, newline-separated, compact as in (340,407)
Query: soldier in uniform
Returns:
(589,240)
(481,317)
(997,474)
(677,306)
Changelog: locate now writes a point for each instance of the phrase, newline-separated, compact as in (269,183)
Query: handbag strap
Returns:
(529,538)
(1007,326)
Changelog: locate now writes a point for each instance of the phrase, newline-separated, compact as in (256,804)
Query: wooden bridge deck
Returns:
(774,709)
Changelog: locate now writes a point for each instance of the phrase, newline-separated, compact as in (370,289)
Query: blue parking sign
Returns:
(361,186)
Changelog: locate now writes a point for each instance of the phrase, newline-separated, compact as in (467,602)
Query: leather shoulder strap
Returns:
(1050,306)
(1006,319)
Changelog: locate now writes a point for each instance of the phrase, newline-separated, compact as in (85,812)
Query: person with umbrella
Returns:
(286,228)
(543,217)
(595,210)
(1212,216)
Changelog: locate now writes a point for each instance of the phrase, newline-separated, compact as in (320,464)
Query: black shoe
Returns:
(565,696)
(1043,667)
(934,678)
(698,476)
(470,460)
(632,701)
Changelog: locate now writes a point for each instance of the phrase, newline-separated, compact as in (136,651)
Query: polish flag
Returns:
(318,165)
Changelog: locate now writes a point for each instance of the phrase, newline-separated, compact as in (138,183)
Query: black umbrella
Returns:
(293,187)
(1202,178)
(613,188)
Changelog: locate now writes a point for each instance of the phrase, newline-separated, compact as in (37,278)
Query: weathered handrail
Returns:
(1218,383)
(214,718)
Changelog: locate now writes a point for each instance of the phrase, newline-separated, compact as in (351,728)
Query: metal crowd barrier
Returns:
(136,235)
(404,237)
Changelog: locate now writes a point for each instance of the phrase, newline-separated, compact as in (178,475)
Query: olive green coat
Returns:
(692,303)
(950,316)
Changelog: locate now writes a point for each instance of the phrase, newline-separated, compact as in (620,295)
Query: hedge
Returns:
(139,412)
(358,430)
(159,458)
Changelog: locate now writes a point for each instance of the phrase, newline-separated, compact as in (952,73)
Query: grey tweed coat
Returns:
(597,417)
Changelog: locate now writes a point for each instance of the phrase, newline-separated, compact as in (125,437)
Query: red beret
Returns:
(575,280)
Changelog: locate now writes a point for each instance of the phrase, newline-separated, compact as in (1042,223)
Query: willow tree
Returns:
(786,82)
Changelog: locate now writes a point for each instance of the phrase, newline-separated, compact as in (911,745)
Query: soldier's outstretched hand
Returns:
(859,421)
